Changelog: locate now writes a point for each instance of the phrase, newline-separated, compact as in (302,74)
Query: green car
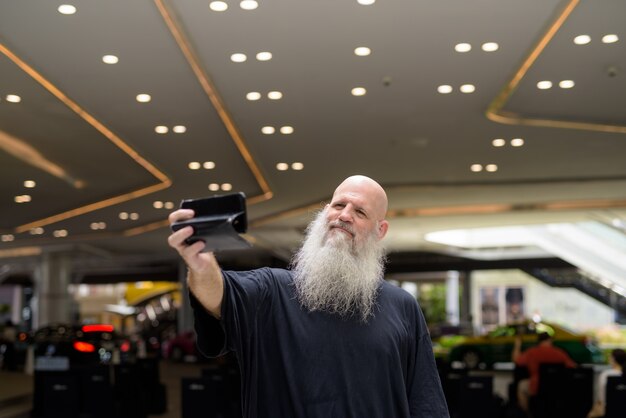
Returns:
(497,346)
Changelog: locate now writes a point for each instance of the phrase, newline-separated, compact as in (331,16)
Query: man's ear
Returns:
(382,229)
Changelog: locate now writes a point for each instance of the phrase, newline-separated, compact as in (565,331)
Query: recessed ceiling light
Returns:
(362,51)
(499,142)
(8,237)
(297,166)
(158,204)
(218,6)
(491,168)
(248,4)
(490,46)
(476,168)
(463,47)
(179,129)
(566,84)
(282,166)
(264,56)
(544,85)
(268,130)
(123,215)
(358,91)
(60,233)
(209,165)
(13,98)
(168,205)
(444,89)
(110,59)
(238,57)
(467,88)
(29,184)
(610,39)
(274,95)
(98,225)
(214,187)
(286,130)
(366,2)
(253,95)
(227,187)
(24,198)
(37,231)
(517,142)
(134,216)
(582,39)
(66,9)
(194,165)
(161,129)
(143,98)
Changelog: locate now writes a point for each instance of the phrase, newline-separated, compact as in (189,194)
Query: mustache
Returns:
(342,225)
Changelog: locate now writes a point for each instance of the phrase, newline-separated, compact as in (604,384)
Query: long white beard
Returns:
(336,276)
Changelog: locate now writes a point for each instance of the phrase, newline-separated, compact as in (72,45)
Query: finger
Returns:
(177,239)
(180,215)
(192,254)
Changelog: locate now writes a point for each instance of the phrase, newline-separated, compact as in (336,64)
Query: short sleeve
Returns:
(244,294)
(426,398)
(210,334)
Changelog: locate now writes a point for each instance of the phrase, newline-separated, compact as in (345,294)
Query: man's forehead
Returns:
(351,195)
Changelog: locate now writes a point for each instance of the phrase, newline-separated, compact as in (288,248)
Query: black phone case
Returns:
(218,221)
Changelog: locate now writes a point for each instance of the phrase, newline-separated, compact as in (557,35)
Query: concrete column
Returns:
(185,314)
(467,321)
(51,301)
(452,297)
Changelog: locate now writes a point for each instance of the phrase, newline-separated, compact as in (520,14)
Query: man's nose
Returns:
(345,215)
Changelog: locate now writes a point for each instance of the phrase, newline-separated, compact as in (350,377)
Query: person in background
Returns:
(532,358)
(617,360)
(328,338)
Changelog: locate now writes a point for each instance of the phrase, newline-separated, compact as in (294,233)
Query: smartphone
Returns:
(217,221)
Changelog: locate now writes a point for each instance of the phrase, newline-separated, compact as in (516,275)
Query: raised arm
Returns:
(204,276)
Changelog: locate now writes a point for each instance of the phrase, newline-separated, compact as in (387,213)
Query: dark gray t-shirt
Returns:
(300,364)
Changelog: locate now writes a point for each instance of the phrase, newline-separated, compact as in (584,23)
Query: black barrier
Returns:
(60,395)
(154,391)
(476,398)
(97,400)
(205,398)
(131,398)
(121,391)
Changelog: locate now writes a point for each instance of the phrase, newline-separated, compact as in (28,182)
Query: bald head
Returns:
(369,189)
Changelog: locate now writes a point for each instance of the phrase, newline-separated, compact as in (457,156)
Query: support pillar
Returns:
(52,301)
(452,297)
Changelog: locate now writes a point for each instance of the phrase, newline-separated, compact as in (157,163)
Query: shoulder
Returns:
(263,279)
(394,296)
(265,273)
(396,293)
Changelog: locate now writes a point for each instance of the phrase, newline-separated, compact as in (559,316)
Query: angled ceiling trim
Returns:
(216,100)
(495,110)
(164,180)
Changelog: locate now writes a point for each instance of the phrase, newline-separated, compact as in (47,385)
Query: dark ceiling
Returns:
(92,150)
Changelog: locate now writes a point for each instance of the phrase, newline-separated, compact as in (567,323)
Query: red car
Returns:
(181,346)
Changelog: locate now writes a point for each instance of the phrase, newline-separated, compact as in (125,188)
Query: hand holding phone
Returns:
(218,220)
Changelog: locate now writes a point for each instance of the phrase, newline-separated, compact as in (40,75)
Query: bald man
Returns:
(328,338)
